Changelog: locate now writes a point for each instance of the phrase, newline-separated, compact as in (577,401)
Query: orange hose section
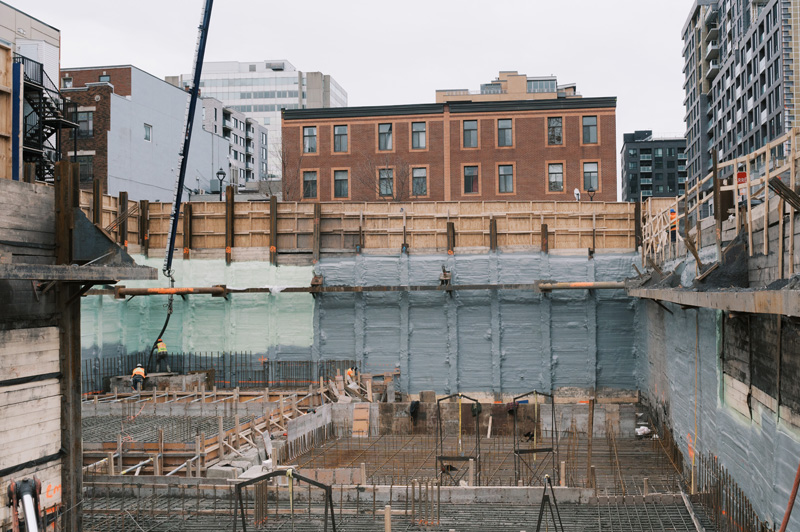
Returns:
(791,501)
(170,290)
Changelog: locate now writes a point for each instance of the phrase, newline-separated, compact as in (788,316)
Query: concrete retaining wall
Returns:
(759,450)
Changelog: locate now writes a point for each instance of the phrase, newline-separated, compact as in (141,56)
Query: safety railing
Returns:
(225,369)
(745,179)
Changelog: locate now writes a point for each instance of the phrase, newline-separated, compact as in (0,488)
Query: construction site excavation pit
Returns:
(438,464)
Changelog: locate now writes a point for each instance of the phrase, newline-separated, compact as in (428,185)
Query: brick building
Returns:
(512,150)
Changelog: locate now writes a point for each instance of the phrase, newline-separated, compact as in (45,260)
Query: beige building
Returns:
(30,37)
(511,85)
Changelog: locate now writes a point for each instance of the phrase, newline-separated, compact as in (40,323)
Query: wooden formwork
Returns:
(423,226)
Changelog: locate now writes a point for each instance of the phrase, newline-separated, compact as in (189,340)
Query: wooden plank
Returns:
(273,230)
(21,393)
(316,237)
(361,420)
(229,221)
(187,230)
(35,337)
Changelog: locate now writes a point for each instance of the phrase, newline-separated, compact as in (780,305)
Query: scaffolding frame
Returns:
(521,463)
(443,461)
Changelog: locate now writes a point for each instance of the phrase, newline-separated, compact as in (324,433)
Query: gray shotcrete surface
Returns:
(495,341)
(760,452)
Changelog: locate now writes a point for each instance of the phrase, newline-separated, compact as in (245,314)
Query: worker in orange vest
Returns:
(673,224)
(351,374)
(137,379)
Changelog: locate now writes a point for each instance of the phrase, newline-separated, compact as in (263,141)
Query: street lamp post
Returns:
(591,193)
(221,177)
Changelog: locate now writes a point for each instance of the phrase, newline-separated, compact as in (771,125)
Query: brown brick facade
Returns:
(119,77)
(96,98)
(445,156)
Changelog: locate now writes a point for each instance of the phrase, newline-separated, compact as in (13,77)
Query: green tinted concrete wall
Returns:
(279,325)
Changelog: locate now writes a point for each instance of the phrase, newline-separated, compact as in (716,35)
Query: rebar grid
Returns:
(183,429)
(189,509)
(621,464)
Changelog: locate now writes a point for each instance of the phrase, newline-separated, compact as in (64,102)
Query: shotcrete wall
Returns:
(276,325)
(682,378)
(478,341)
(484,340)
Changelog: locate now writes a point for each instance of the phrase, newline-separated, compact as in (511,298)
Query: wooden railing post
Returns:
(123,225)
(187,229)
(493,234)
(273,230)
(451,237)
(229,218)
(545,239)
(144,226)
(316,241)
(97,201)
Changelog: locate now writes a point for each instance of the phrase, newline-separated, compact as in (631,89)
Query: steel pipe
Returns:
(121,292)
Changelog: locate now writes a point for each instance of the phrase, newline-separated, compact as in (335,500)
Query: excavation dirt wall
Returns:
(692,369)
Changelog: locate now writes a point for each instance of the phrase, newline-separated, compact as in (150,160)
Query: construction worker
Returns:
(351,374)
(161,348)
(673,224)
(137,379)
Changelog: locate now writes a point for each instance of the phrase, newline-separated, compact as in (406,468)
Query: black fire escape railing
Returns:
(50,114)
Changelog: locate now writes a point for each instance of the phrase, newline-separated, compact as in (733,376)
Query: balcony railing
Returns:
(646,157)
(647,193)
(646,169)
(682,157)
(681,180)
(646,181)
(681,168)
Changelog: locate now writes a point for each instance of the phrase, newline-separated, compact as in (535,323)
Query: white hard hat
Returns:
(138,365)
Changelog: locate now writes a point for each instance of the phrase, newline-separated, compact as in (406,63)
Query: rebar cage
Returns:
(534,450)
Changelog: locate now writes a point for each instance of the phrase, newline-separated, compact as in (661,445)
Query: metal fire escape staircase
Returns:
(45,115)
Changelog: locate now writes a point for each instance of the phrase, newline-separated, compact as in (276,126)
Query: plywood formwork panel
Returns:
(30,412)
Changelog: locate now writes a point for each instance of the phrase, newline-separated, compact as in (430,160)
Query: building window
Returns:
(340,183)
(555,177)
(505,178)
(505,136)
(590,173)
(632,152)
(590,130)
(670,152)
(418,135)
(85,122)
(310,139)
(340,138)
(670,163)
(105,78)
(385,137)
(263,137)
(148,133)
(470,133)
(555,131)
(309,184)
(386,180)
(419,182)
(66,83)
(658,152)
(86,163)
(632,165)
(470,180)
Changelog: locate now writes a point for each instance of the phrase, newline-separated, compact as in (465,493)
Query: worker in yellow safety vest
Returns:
(673,224)
(137,379)
(161,348)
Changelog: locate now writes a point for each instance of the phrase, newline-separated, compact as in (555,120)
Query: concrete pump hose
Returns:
(792,497)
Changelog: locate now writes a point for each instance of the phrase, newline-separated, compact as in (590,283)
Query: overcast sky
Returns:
(398,52)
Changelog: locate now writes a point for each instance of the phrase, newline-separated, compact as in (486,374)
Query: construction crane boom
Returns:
(199,53)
